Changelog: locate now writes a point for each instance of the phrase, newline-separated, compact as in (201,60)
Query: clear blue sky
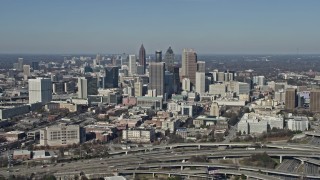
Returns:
(116,26)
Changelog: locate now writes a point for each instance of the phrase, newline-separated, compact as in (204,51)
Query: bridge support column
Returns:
(224,157)
(181,168)
(153,175)
(199,147)
(169,175)
(170,147)
(126,152)
(280,159)
(302,162)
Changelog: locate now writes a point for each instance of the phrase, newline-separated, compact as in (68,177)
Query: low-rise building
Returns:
(298,123)
(139,135)
(14,135)
(62,135)
(21,155)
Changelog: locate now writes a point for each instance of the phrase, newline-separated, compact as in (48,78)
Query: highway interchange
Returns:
(173,160)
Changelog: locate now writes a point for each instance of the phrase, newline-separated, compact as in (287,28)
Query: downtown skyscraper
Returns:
(142,57)
(156,77)
(169,59)
(189,65)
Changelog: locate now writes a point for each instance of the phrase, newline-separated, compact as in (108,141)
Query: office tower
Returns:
(110,77)
(241,88)
(58,88)
(214,109)
(138,88)
(40,90)
(176,80)
(70,87)
(140,70)
(132,65)
(142,58)
(158,56)
(209,81)
(231,75)
(226,76)
(201,66)
(186,84)
(35,66)
(20,64)
(200,82)
(87,86)
(169,79)
(98,59)
(291,99)
(169,60)
(62,135)
(215,75)
(315,100)
(259,80)
(26,71)
(221,76)
(156,77)
(189,65)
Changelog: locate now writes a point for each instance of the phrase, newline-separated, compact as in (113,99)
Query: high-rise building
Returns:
(189,65)
(26,71)
(142,58)
(186,84)
(158,56)
(169,60)
(315,100)
(168,83)
(98,59)
(40,90)
(132,64)
(200,82)
(87,86)
(35,65)
(176,80)
(220,76)
(138,88)
(20,64)
(201,66)
(291,99)
(156,77)
(111,77)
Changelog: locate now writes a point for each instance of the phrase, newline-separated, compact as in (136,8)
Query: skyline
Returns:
(209,27)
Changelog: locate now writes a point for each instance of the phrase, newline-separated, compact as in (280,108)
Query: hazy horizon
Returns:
(208,26)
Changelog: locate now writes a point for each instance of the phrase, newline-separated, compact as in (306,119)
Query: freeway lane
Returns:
(160,159)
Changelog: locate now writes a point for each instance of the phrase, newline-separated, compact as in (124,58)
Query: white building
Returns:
(217,89)
(82,88)
(298,124)
(186,84)
(61,135)
(139,135)
(200,82)
(241,88)
(40,90)
(132,64)
(214,109)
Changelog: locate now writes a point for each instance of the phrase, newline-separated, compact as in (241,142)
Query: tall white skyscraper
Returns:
(132,64)
(82,88)
(200,82)
(40,90)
